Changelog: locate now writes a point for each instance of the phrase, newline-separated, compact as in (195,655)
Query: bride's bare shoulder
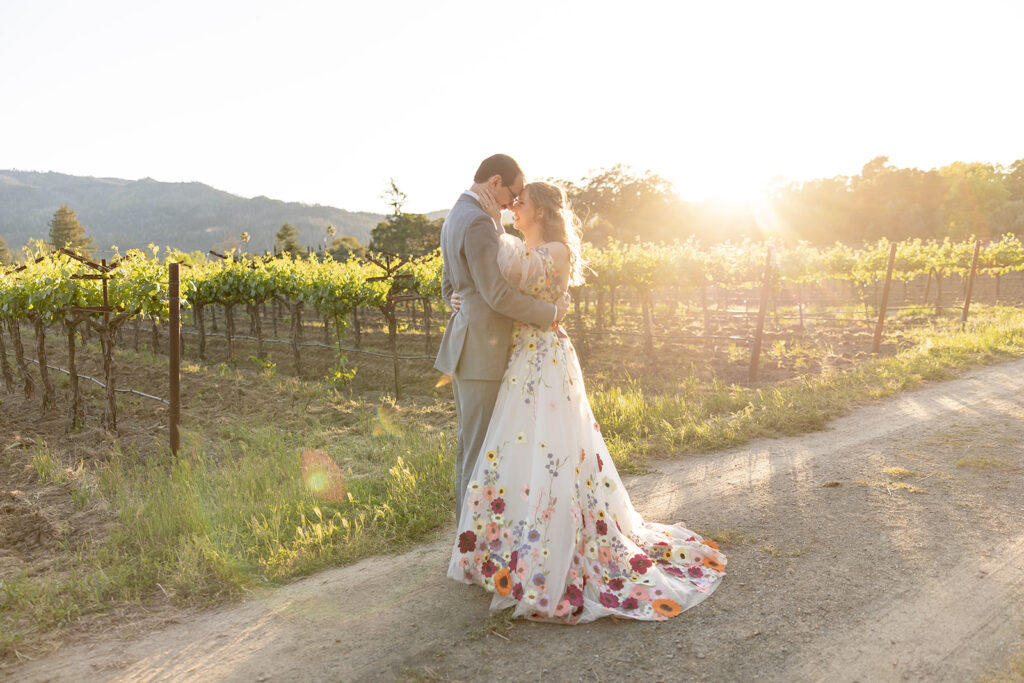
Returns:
(557,250)
(559,254)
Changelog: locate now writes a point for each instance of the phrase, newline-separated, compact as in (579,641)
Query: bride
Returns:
(546,524)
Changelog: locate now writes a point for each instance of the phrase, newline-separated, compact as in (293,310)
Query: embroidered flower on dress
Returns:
(712,563)
(640,563)
(467,541)
(640,593)
(503,582)
(667,608)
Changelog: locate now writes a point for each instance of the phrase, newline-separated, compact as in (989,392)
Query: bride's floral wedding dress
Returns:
(547,525)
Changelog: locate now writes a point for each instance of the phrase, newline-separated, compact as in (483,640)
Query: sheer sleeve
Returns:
(520,267)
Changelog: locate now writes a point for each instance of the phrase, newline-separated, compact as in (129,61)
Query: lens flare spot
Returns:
(322,476)
(387,421)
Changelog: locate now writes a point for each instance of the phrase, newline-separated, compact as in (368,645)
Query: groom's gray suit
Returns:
(475,346)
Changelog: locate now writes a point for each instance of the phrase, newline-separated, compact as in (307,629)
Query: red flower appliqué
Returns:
(467,542)
(640,563)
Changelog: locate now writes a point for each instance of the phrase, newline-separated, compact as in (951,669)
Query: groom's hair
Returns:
(499,164)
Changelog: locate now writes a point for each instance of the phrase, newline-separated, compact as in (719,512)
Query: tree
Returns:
(405,234)
(1014,180)
(244,238)
(66,231)
(408,234)
(896,203)
(620,203)
(345,247)
(5,253)
(287,239)
(976,191)
(395,198)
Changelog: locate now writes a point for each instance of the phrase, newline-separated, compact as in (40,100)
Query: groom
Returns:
(475,346)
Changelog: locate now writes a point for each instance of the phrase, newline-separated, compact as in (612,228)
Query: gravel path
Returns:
(839,570)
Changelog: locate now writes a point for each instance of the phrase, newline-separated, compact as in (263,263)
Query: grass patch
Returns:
(985,463)
(231,512)
(497,623)
(777,552)
(699,416)
(897,472)
(904,486)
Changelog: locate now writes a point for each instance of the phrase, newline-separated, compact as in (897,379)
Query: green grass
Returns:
(698,417)
(232,512)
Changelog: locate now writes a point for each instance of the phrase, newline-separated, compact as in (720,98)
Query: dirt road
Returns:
(890,547)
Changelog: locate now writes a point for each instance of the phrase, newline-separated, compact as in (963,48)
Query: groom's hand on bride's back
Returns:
(562,307)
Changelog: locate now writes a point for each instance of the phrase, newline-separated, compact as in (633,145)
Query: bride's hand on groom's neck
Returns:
(490,205)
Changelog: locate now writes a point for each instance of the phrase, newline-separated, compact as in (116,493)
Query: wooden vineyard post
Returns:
(428,345)
(706,329)
(755,352)
(877,344)
(174,332)
(648,321)
(970,285)
(581,327)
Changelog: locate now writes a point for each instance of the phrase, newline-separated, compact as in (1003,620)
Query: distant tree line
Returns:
(883,200)
(957,200)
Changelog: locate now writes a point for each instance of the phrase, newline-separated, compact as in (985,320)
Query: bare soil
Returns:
(889,547)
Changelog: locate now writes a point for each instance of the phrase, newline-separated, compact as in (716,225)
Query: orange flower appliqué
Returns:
(667,608)
(712,563)
(503,582)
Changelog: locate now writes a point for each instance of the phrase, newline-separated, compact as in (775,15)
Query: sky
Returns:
(324,102)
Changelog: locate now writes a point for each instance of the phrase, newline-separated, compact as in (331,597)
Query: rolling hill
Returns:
(188,216)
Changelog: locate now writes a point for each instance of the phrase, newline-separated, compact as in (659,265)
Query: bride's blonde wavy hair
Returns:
(559,223)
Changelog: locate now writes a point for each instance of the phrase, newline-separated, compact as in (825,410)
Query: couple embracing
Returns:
(544,522)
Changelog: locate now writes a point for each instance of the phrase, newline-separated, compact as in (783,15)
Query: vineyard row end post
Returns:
(174,332)
(970,284)
(762,310)
(877,344)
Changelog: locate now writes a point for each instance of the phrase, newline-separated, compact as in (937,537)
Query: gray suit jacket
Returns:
(476,340)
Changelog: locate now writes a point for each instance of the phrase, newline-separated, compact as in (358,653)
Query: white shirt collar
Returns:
(474,195)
